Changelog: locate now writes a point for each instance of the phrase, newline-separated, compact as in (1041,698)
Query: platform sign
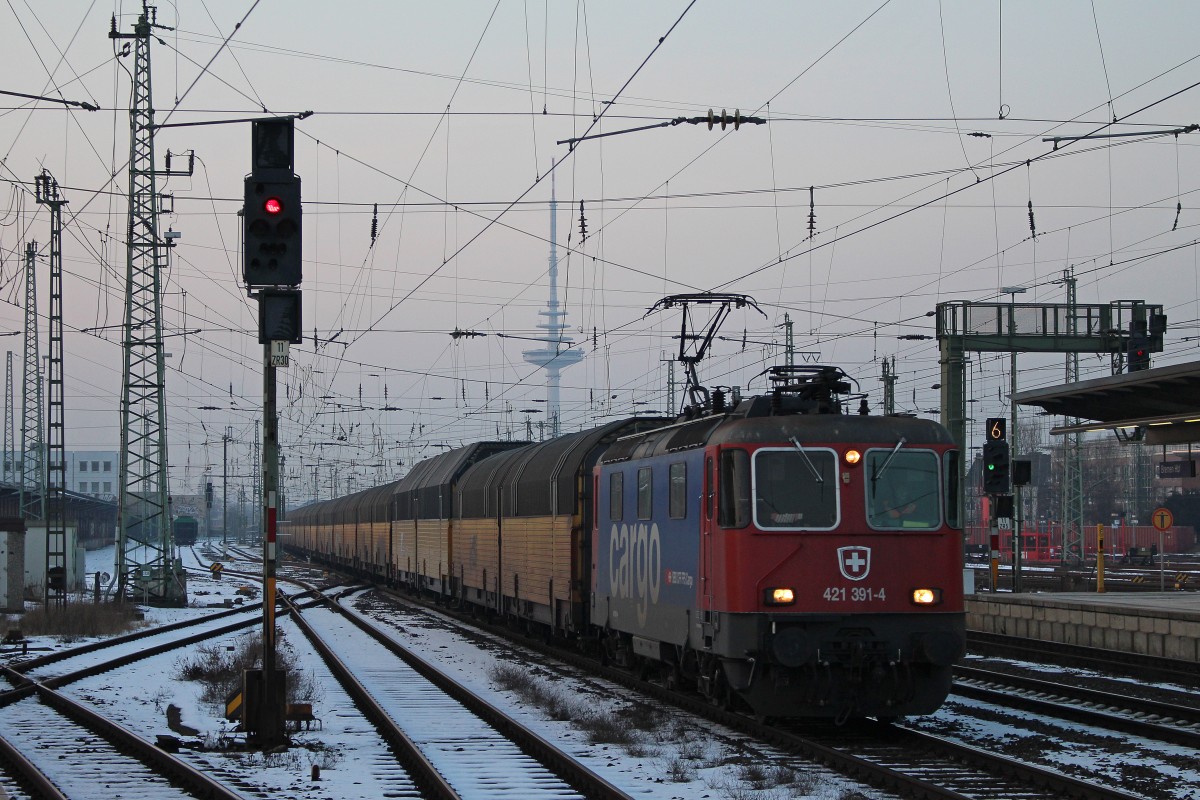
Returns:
(1177,469)
(1162,518)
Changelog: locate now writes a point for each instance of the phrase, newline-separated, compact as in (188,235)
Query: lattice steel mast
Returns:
(10,439)
(33,474)
(146,562)
(55,588)
(1072,512)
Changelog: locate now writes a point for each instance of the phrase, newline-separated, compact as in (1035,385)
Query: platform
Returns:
(1150,623)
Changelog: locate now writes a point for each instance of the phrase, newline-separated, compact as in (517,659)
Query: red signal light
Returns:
(273,205)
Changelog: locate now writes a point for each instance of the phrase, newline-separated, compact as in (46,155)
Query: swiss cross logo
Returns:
(854,562)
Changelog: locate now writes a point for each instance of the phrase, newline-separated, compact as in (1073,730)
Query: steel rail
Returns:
(1117,718)
(1054,784)
(1134,665)
(431,782)
(91,647)
(581,778)
(28,774)
(162,762)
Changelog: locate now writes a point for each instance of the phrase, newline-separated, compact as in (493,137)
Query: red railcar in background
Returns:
(1043,542)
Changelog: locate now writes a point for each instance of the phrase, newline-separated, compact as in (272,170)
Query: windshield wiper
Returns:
(888,461)
(807,460)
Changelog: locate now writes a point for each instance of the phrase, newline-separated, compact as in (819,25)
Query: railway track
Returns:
(45,730)
(80,662)
(1119,578)
(59,748)
(920,764)
(1168,722)
(1148,668)
(893,758)
(43,747)
(457,744)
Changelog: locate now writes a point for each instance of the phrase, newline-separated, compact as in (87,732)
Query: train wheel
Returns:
(722,695)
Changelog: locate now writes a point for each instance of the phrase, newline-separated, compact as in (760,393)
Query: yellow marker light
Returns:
(926,597)
(853,456)
(779,597)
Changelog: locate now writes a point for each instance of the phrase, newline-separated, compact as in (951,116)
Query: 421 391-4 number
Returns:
(856,594)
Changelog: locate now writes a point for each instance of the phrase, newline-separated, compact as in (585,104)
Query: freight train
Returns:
(186,528)
(777,553)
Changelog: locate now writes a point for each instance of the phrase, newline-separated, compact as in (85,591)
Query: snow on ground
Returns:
(683,758)
(1131,763)
(679,757)
(672,757)
(1056,672)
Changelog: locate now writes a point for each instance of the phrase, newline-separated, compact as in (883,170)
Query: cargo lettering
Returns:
(635,565)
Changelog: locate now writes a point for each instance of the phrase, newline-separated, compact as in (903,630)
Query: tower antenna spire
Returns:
(558,353)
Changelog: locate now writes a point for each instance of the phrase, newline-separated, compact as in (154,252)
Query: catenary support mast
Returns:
(1072,511)
(55,587)
(32,471)
(10,439)
(146,562)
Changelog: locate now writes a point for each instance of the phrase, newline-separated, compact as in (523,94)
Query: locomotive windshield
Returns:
(795,488)
(902,488)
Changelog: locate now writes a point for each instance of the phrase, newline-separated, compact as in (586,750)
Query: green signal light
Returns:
(991,466)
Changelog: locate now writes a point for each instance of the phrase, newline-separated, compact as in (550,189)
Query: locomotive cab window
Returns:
(903,490)
(795,489)
(678,491)
(645,495)
(616,494)
(951,463)
(733,510)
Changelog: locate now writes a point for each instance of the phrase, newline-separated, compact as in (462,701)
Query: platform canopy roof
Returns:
(1164,400)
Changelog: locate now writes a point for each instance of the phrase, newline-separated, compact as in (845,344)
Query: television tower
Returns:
(558,354)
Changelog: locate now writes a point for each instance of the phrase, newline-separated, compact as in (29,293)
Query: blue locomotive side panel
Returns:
(646,554)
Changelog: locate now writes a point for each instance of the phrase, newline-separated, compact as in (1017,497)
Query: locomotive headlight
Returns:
(853,457)
(779,596)
(927,597)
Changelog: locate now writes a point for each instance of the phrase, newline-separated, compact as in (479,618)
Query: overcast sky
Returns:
(448,114)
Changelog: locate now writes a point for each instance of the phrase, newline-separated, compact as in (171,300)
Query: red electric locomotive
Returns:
(805,560)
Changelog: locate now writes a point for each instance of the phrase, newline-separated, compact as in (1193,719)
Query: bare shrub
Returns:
(514,679)
(533,691)
(303,687)
(679,770)
(782,775)
(753,774)
(605,728)
(643,717)
(323,756)
(219,668)
(678,732)
(805,782)
(75,620)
